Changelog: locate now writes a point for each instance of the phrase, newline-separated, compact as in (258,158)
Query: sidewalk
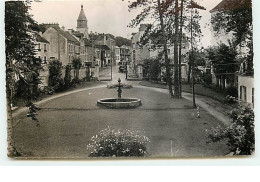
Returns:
(206,95)
(199,90)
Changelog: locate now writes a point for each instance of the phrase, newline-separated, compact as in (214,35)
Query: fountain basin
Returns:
(120,103)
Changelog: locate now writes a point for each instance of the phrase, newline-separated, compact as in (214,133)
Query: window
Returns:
(244,90)
(45,61)
(45,47)
(39,47)
(241,92)
(253,96)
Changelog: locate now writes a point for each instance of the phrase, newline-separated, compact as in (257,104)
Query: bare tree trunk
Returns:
(180,48)
(167,61)
(176,69)
(189,72)
(12,152)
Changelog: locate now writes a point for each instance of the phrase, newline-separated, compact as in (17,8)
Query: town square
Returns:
(154,79)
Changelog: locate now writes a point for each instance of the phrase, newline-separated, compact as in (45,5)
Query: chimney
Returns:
(63,28)
(105,39)
(70,30)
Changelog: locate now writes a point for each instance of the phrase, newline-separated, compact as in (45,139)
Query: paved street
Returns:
(70,120)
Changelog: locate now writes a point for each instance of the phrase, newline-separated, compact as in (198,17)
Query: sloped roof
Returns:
(87,43)
(41,39)
(232,5)
(78,34)
(82,15)
(103,47)
(67,35)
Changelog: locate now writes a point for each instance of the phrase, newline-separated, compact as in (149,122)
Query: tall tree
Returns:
(236,17)
(157,34)
(21,62)
(170,19)
(224,61)
(76,63)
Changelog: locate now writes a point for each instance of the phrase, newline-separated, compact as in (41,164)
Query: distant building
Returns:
(42,48)
(139,54)
(124,54)
(107,44)
(117,55)
(63,45)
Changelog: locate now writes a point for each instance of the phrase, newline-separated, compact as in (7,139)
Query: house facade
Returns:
(107,44)
(139,54)
(63,46)
(42,49)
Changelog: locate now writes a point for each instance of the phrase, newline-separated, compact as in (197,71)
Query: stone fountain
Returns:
(119,102)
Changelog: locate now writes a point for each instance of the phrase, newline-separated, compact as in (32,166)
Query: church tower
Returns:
(82,23)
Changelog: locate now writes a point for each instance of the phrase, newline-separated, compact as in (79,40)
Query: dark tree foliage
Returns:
(166,31)
(55,75)
(198,58)
(152,69)
(67,77)
(237,18)
(20,53)
(122,41)
(76,63)
(21,63)
(224,61)
(240,135)
(42,27)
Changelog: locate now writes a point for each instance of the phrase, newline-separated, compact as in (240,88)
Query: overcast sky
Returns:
(104,16)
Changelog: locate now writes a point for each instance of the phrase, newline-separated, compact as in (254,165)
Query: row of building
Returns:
(140,54)
(94,50)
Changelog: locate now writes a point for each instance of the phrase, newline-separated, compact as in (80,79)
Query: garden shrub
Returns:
(232,91)
(240,135)
(109,143)
(207,79)
(55,75)
(67,77)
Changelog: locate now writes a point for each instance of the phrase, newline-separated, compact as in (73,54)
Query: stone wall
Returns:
(44,74)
